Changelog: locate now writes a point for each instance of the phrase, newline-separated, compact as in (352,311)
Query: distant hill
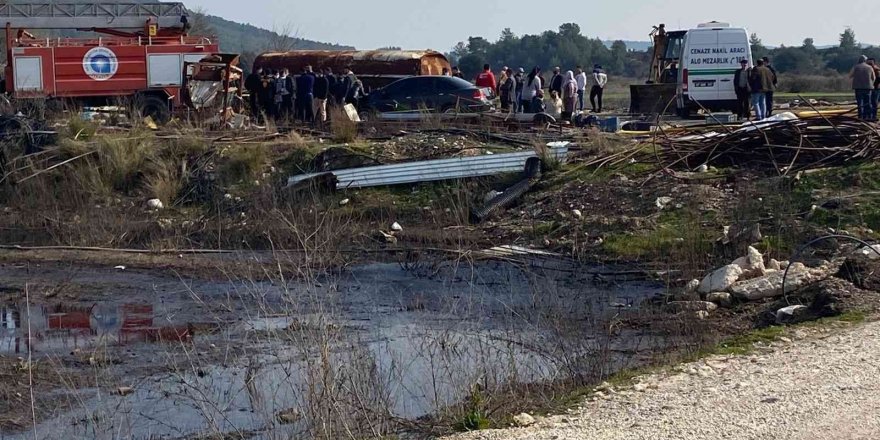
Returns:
(234,37)
(240,38)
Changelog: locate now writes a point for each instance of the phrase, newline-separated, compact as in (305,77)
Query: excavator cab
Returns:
(658,93)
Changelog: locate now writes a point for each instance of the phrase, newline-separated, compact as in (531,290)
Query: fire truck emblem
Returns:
(100,63)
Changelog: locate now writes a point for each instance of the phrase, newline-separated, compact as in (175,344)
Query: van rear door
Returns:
(703,78)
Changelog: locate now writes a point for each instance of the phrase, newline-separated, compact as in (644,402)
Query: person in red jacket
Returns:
(486,78)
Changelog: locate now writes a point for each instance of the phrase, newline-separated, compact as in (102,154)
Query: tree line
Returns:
(567,48)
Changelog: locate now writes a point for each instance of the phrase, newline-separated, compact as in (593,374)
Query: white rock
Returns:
(692,286)
(691,306)
(720,280)
(523,420)
(723,299)
(119,267)
(344,202)
(155,204)
(577,213)
(790,314)
(640,387)
(663,202)
(396,227)
(870,252)
(752,264)
(703,168)
(774,265)
(770,286)
(702,315)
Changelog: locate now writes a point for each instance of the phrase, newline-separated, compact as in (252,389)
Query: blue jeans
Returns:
(875,100)
(863,99)
(759,103)
(581,100)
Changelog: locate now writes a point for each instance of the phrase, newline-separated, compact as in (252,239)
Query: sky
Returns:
(439,24)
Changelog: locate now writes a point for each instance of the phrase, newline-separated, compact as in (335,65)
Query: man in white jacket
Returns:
(581,78)
(599,81)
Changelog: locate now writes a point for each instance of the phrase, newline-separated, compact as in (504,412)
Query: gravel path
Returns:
(822,385)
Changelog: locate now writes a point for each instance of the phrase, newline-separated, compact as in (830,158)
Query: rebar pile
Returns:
(785,146)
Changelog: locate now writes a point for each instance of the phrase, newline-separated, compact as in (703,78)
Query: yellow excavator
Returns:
(658,93)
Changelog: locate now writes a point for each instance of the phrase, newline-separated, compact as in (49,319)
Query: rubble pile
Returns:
(750,278)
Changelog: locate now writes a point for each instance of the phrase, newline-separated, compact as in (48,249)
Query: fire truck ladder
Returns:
(85,16)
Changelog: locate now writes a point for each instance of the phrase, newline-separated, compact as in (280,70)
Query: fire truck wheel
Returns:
(154,107)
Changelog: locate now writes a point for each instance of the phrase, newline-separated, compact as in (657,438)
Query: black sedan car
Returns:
(432,93)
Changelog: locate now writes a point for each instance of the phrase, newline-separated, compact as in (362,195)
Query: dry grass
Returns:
(344,130)
(165,182)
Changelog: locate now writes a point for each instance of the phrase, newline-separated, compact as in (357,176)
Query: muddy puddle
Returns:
(164,357)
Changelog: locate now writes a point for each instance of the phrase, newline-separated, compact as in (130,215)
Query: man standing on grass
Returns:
(600,80)
(581,79)
(875,93)
(741,87)
(775,83)
(863,79)
(760,81)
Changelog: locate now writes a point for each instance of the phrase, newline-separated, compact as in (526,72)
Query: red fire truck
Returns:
(138,53)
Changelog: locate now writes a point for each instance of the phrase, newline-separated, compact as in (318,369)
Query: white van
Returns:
(710,56)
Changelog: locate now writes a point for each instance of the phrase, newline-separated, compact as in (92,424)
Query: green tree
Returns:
(848,40)
(809,45)
(758,49)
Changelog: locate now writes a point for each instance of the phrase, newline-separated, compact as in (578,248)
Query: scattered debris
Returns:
(523,420)
(663,202)
(155,204)
(124,391)
(289,416)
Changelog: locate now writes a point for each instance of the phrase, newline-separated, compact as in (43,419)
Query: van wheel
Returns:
(154,107)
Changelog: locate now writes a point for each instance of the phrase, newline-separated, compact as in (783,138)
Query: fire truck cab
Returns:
(138,55)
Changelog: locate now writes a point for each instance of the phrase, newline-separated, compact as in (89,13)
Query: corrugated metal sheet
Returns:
(433,170)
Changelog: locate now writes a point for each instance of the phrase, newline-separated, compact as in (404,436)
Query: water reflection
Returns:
(64,327)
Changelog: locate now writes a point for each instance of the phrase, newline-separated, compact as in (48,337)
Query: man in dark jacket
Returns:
(508,91)
(331,80)
(253,83)
(775,83)
(760,82)
(741,86)
(289,99)
(875,93)
(305,93)
(863,79)
(556,82)
(322,91)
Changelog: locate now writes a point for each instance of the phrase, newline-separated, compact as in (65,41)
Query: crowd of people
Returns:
(519,92)
(866,84)
(276,95)
(755,87)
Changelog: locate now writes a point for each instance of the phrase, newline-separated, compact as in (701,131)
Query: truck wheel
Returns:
(154,107)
